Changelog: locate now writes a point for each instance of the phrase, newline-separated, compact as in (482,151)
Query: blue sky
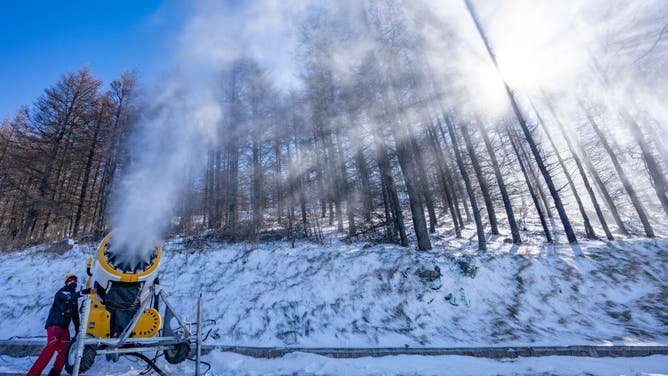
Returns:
(41,40)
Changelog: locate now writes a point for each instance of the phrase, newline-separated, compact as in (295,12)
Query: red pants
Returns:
(57,340)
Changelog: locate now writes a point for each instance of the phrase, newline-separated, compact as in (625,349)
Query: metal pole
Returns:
(199,334)
(83,325)
(128,330)
(178,318)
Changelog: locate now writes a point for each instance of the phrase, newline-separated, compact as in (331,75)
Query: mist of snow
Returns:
(542,46)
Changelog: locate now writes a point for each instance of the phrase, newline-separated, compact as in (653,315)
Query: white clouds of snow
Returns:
(540,45)
(170,144)
(184,113)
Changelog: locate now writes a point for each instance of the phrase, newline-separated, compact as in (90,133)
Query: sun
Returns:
(527,66)
(520,68)
(488,91)
(537,46)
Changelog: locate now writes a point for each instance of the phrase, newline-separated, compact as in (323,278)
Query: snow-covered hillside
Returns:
(363,295)
(384,295)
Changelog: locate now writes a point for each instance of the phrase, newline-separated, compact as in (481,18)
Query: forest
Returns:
(401,121)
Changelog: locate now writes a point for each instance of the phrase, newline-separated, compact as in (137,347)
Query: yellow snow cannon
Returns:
(119,294)
(124,316)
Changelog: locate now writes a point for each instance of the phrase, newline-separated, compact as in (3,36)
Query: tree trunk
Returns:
(482,243)
(346,192)
(583,173)
(445,186)
(257,186)
(414,199)
(602,189)
(388,183)
(89,164)
(291,188)
(589,230)
(363,172)
(207,192)
(389,218)
(456,183)
(514,229)
(319,177)
(635,200)
(657,176)
(537,204)
(300,181)
(217,188)
(233,191)
(278,178)
(570,234)
(481,179)
(406,163)
(31,218)
(423,182)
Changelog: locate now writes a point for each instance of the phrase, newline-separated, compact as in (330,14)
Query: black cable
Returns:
(148,367)
(207,335)
(149,362)
(202,362)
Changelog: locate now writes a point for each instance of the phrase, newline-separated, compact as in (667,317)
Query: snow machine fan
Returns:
(123,316)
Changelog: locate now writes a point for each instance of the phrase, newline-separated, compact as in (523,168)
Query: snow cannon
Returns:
(129,313)
(121,289)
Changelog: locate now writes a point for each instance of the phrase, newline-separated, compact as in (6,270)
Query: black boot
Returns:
(53,372)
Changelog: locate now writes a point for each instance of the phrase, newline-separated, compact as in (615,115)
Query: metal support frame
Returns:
(134,345)
(186,328)
(83,325)
(128,329)
(146,342)
(199,335)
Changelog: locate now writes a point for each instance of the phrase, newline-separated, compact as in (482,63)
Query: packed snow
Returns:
(309,364)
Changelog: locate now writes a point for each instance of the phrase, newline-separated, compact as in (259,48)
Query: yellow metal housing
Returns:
(98,320)
(148,325)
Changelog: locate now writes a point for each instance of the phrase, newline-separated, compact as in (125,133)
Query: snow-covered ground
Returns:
(362,295)
(308,364)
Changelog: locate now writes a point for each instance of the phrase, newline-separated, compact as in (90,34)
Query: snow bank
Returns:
(357,295)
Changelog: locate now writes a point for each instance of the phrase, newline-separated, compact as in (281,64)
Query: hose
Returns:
(148,367)
(149,362)
(208,365)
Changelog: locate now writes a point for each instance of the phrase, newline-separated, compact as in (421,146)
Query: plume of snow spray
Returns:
(171,141)
(182,122)
(540,46)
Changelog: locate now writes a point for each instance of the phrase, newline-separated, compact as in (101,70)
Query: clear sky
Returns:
(42,39)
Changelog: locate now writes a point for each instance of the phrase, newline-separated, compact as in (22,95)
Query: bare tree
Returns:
(514,229)
(637,204)
(482,243)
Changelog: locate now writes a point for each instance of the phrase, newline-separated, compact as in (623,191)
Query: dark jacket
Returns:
(64,309)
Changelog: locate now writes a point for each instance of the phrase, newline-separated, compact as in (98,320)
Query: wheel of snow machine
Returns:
(178,353)
(87,359)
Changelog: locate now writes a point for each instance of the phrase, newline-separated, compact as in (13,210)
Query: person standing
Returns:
(65,308)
